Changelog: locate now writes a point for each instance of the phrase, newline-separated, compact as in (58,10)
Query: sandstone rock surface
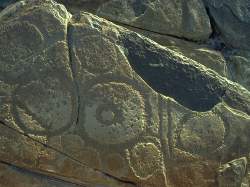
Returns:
(187,19)
(86,102)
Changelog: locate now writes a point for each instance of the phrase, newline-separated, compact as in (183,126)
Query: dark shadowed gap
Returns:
(168,76)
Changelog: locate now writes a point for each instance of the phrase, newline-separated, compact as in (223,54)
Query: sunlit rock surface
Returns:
(187,19)
(205,31)
(86,102)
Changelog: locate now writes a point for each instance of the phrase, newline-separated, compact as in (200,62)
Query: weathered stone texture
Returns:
(86,102)
(186,19)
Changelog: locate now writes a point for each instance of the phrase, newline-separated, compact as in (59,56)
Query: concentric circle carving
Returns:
(202,133)
(145,159)
(114,113)
(44,108)
(97,54)
(15,48)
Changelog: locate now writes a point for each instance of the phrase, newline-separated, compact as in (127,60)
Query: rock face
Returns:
(190,18)
(239,66)
(184,19)
(206,32)
(85,102)
(233,20)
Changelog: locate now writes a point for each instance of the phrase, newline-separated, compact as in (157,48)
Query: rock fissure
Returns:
(183,82)
(73,70)
(115,179)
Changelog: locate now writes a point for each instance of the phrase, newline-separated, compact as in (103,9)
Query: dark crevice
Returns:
(73,71)
(116,179)
(215,31)
(216,42)
(170,76)
(215,39)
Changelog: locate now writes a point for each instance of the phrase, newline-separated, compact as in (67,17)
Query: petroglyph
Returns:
(114,113)
(145,159)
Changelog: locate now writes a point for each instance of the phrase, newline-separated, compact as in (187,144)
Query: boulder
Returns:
(86,102)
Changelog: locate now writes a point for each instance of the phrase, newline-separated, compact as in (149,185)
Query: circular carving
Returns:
(15,48)
(145,159)
(114,113)
(202,133)
(44,108)
(96,53)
